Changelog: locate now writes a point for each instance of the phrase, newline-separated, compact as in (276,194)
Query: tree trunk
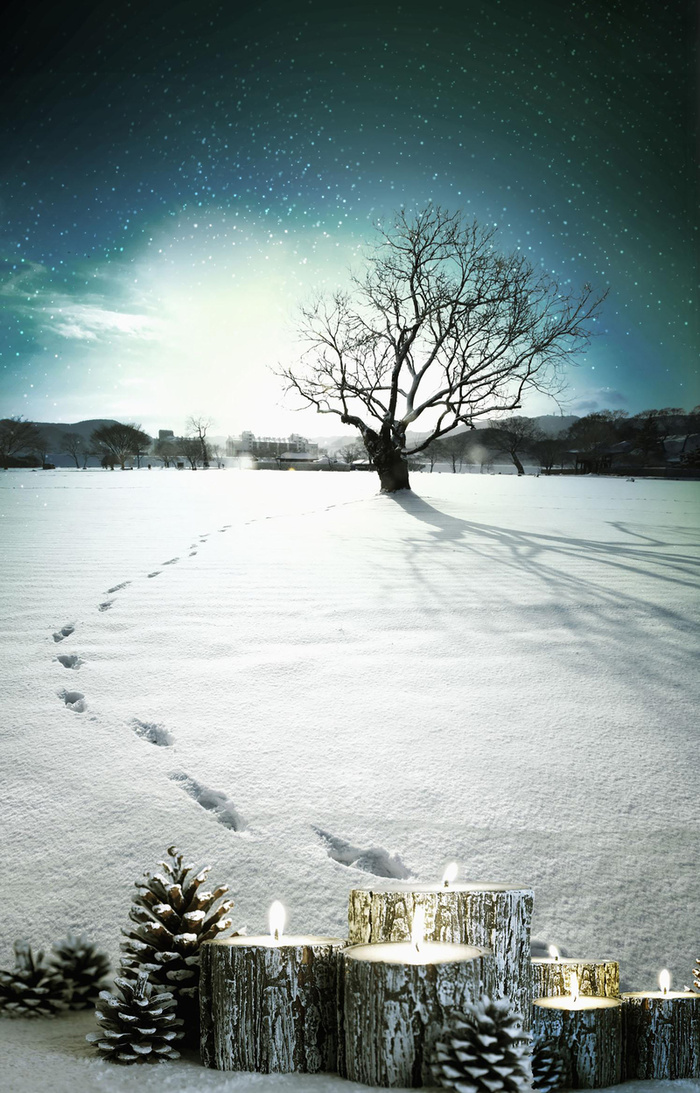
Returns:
(388,460)
(588,1040)
(495,917)
(552,978)
(395,1013)
(270,1008)
(662,1036)
(518,464)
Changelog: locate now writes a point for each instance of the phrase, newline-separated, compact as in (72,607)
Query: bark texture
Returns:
(496,919)
(270,1008)
(394,1014)
(589,1042)
(552,978)
(662,1037)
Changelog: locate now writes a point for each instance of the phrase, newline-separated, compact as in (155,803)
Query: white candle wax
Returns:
(285,941)
(403,952)
(576,1003)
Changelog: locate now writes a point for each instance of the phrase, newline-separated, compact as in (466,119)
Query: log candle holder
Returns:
(551,977)
(495,917)
(662,1033)
(396,1001)
(270,1003)
(587,1033)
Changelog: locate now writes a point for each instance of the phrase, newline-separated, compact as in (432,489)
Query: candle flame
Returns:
(574,987)
(418,928)
(664,980)
(553,952)
(277,917)
(450,874)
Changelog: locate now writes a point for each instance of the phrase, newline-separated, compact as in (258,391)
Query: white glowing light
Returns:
(574,987)
(277,917)
(418,928)
(664,980)
(553,952)
(450,874)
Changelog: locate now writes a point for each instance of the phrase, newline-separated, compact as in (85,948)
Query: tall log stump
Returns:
(270,1007)
(662,1035)
(552,978)
(395,1012)
(489,916)
(587,1036)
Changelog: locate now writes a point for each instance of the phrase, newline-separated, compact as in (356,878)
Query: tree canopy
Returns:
(441,326)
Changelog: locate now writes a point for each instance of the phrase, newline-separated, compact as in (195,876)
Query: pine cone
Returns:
(138,1023)
(172,917)
(79,961)
(549,1070)
(32,988)
(484,1050)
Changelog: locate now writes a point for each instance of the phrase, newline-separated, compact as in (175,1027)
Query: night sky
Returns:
(176,177)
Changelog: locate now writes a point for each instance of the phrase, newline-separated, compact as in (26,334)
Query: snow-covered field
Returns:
(494,670)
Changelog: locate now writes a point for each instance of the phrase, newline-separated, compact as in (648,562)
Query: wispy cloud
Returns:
(93,322)
(598,398)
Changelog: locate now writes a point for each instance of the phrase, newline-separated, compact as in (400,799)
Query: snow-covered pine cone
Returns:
(80,962)
(171,917)
(484,1050)
(32,988)
(138,1023)
(549,1070)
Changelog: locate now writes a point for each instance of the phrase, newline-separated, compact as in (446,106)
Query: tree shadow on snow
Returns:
(619,589)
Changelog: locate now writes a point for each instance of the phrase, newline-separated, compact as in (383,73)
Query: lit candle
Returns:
(551,976)
(586,1031)
(269,1002)
(495,917)
(396,1000)
(662,1032)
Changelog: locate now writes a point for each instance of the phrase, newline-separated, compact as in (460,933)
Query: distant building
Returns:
(270,447)
(166,434)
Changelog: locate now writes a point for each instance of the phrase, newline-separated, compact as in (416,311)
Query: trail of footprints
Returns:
(374,859)
(213,801)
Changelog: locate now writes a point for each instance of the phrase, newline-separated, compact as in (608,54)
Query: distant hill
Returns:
(551,424)
(53,432)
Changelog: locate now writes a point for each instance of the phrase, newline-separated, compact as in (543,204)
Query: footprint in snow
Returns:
(118,587)
(74,700)
(373,860)
(192,553)
(153,733)
(69,660)
(221,807)
(64,632)
(171,562)
(154,573)
(105,606)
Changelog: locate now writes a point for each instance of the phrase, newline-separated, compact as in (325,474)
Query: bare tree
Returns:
(42,450)
(166,450)
(116,443)
(351,453)
(190,448)
(441,326)
(16,435)
(514,436)
(198,427)
(73,445)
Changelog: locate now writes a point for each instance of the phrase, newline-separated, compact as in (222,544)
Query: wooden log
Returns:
(270,1007)
(552,978)
(495,917)
(588,1036)
(394,1011)
(661,1035)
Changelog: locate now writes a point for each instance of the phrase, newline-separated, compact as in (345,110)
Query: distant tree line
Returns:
(595,440)
(113,444)
(598,440)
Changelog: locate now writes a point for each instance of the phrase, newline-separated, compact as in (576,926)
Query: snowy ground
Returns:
(495,670)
